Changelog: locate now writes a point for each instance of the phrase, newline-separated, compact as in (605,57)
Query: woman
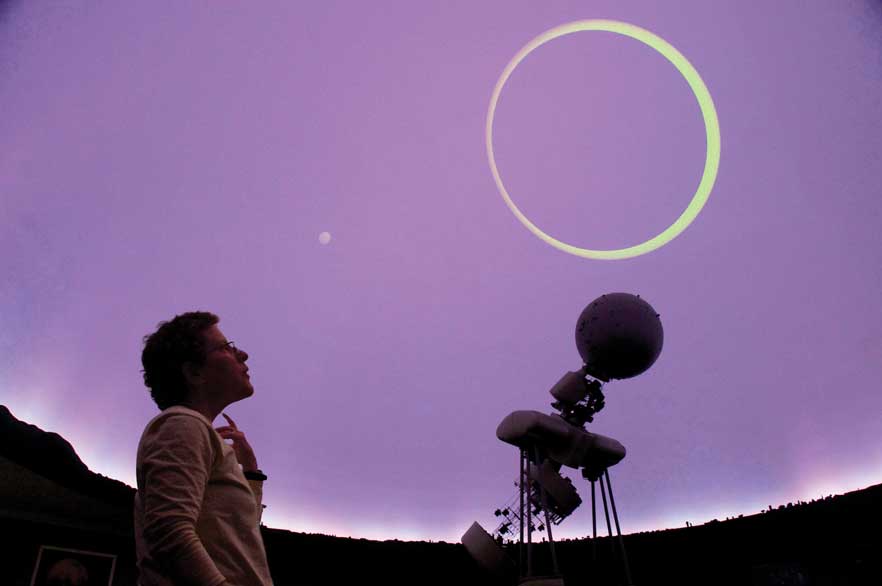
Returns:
(198,505)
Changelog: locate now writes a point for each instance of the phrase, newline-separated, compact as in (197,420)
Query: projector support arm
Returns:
(544,500)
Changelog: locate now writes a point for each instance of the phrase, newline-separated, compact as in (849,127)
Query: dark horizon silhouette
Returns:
(818,542)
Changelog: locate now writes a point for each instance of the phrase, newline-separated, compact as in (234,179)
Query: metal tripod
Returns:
(524,485)
(592,477)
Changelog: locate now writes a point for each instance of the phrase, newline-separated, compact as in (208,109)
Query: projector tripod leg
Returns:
(544,500)
(593,526)
(521,515)
(606,515)
(526,487)
(618,530)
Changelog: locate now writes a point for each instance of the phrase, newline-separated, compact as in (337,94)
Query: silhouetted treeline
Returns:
(830,541)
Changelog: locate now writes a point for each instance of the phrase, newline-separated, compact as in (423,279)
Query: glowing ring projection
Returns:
(711,125)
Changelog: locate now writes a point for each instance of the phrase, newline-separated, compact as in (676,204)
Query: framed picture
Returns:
(57,566)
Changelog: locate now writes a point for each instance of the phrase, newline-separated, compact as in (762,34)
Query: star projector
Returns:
(618,336)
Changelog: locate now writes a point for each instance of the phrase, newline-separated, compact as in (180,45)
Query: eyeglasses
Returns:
(227,345)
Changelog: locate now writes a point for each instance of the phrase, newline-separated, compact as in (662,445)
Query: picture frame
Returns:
(59,566)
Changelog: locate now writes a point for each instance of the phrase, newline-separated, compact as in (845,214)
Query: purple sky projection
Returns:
(161,158)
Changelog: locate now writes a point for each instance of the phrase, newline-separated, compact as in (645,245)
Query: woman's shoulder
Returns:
(179,429)
(178,421)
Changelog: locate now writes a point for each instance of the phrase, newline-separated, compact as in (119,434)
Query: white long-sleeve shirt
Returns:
(196,516)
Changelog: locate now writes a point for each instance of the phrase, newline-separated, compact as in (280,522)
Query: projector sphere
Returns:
(618,336)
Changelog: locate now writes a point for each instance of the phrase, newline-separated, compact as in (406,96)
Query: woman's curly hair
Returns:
(168,348)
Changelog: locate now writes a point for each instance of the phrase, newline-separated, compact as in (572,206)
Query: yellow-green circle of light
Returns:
(708,112)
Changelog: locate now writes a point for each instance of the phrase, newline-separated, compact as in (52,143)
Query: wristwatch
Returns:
(255,475)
